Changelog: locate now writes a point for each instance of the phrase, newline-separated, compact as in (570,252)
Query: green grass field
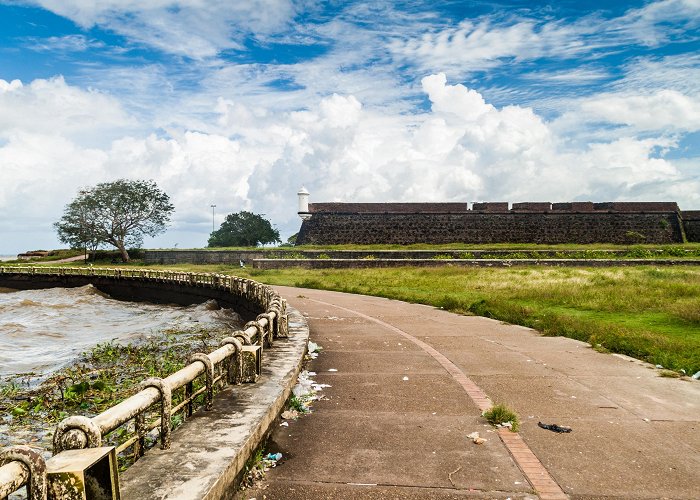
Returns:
(648,313)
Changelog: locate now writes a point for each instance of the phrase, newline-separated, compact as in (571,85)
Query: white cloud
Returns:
(473,46)
(53,107)
(67,43)
(255,157)
(648,75)
(193,28)
(663,110)
(486,42)
(657,22)
(573,76)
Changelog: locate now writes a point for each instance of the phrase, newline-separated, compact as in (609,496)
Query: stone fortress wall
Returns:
(691,223)
(497,222)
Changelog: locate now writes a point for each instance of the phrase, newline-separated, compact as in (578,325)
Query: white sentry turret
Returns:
(303,195)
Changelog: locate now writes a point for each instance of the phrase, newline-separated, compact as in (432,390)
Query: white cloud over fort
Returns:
(462,149)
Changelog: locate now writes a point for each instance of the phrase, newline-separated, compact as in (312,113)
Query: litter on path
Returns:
(476,439)
(554,427)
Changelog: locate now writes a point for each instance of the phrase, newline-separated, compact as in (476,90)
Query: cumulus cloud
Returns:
(53,107)
(663,110)
(254,158)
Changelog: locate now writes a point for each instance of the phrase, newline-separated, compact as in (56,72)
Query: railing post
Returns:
(76,432)
(141,431)
(234,371)
(35,464)
(189,390)
(209,372)
(166,405)
(268,332)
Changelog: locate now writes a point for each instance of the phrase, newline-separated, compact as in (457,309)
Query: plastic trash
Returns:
(314,347)
(273,457)
(696,376)
(290,414)
(554,427)
(476,439)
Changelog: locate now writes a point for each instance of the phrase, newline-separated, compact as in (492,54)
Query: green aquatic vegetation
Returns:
(102,377)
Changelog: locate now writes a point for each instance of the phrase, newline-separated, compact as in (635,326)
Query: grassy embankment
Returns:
(469,246)
(648,313)
(501,250)
(651,314)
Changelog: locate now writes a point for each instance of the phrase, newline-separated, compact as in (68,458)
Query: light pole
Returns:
(212,218)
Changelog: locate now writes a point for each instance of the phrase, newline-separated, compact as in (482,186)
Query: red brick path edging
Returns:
(537,475)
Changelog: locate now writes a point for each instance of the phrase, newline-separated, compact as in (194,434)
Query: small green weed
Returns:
(295,403)
(500,414)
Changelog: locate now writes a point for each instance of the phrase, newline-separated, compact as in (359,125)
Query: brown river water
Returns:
(44,330)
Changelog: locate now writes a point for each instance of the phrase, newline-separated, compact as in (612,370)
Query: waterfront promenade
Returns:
(409,383)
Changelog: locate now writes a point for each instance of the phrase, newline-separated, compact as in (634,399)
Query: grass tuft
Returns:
(500,414)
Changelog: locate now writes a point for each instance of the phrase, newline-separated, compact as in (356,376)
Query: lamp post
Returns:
(212,218)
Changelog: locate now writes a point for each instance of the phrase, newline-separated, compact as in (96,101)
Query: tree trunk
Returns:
(122,250)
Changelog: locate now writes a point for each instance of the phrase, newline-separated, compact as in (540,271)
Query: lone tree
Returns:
(118,213)
(77,228)
(244,229)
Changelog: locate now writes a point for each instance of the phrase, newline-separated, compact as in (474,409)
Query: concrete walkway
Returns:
(411,383)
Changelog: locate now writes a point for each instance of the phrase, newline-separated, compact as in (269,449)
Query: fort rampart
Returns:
(691,222)
(539,222)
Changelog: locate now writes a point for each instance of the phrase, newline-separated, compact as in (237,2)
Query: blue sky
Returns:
(239,104)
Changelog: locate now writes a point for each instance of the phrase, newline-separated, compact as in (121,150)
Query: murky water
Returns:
(43,330)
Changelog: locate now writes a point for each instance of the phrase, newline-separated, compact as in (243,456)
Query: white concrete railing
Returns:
(20,466)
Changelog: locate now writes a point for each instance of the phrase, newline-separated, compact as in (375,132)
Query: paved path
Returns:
(411,383)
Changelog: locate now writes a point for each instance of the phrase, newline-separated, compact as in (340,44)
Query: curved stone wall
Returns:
(160,287)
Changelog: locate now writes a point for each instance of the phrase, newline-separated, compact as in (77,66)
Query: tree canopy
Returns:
(244,229)
(117,213)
